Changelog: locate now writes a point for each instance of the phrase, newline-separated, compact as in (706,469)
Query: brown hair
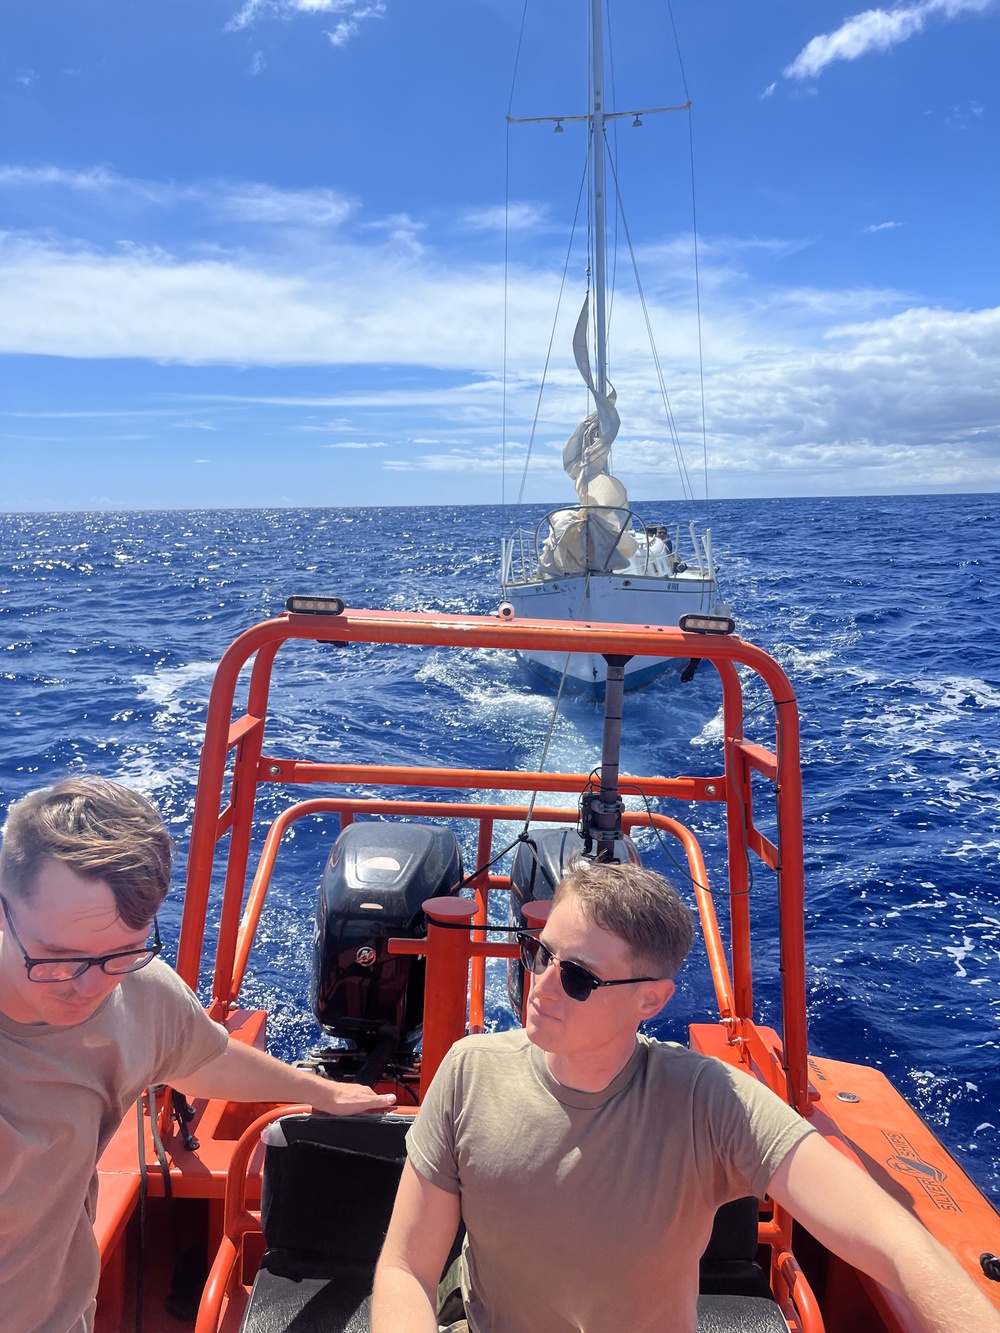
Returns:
(638,906)
(100,830)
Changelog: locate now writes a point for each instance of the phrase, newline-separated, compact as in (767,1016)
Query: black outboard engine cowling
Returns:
(374,884)
(534,875)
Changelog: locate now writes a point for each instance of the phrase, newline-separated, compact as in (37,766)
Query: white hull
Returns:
(622,599)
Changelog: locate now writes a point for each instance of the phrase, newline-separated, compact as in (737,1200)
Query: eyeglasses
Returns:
(68,969)
(577,981)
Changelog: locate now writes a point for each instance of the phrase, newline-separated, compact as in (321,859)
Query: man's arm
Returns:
(848,1213)
(423,1226)
(244,1074)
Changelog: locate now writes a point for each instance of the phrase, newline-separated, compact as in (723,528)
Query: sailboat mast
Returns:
(597,181)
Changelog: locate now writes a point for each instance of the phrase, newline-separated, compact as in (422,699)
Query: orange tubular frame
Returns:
(216,815)
(238,1221)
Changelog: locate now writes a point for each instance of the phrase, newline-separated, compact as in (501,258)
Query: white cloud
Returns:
(263,203)
(350,27)
(94,179)
(241,201)
(875,30)
(882,226)
(521,216)
(358,444)
(768,91)
(855,386)
(354,13)
(258,64)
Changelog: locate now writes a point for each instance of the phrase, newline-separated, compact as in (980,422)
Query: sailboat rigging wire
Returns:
(671,425)
(506,269)
(613,285)
(697,271)
(697,303)
(552,335)
(677,46)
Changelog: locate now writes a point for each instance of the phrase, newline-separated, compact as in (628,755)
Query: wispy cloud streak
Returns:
(875,30)
(351,14)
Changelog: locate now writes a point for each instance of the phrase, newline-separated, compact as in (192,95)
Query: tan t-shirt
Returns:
(63,1092)
(588,1212)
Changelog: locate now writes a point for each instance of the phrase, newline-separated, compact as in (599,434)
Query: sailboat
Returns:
(596,560)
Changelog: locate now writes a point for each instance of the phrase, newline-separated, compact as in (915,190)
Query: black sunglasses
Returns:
(577,981)
(68,969)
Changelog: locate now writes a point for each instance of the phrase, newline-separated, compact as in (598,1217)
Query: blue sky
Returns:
(254,254)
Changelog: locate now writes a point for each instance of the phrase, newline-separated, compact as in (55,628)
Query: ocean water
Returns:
(884,611)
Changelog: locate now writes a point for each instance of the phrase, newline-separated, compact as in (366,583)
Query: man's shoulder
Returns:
(157,986)
(716,1085)
(486,1047)
(670,1060)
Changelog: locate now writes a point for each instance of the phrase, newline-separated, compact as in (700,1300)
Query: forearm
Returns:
(244,1074)
(401,1303)
(843,1208)
(939,1291)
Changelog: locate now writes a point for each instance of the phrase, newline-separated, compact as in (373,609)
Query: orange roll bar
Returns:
(244,735)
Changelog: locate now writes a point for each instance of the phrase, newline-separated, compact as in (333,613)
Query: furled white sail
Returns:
(585,455)
(595,536)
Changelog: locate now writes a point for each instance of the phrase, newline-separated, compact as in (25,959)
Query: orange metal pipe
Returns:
(347,807)
(739,874)
(448,952)
(477,978)
(275,769)
(216,1290)
(238,1219)
(801,1293)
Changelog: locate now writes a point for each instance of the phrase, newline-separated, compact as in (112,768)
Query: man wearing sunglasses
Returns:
(588,1162)
(89,1017)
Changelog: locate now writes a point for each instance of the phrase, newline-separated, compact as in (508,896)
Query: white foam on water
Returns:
(171,686)
(959,953)
(142,768)
(712,733)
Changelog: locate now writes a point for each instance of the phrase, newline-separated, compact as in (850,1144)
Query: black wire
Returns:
(161,1157)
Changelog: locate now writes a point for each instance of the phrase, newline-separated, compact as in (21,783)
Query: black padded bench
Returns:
(328,1189)
(327,1194)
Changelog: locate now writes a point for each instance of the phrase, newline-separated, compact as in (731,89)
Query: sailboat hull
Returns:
(624,599)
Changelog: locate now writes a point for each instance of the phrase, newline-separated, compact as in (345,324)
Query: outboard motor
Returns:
(534,875)
(377,878)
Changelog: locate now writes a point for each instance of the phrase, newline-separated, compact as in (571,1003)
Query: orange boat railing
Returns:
(220,811)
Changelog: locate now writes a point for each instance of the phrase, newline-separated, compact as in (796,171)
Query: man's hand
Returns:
(344,1098)
(848,1213)
(244,1074)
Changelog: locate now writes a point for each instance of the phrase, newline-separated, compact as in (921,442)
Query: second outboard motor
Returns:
(377,878)
(534,875)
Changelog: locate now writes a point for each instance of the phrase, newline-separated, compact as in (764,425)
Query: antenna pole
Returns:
(607,812)
(597,142)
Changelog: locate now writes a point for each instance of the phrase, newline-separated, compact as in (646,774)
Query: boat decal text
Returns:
(908,1162)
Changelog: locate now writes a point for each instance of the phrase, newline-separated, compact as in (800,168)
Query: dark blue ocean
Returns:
(884,611)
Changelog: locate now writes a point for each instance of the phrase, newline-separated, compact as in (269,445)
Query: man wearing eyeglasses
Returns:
(587,1163)
(89,1017)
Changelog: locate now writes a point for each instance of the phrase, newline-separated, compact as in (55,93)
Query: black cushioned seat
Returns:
(739,1314)
(729,1265)
(328,1189)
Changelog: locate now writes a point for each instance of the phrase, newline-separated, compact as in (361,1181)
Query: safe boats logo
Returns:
(908,1162)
